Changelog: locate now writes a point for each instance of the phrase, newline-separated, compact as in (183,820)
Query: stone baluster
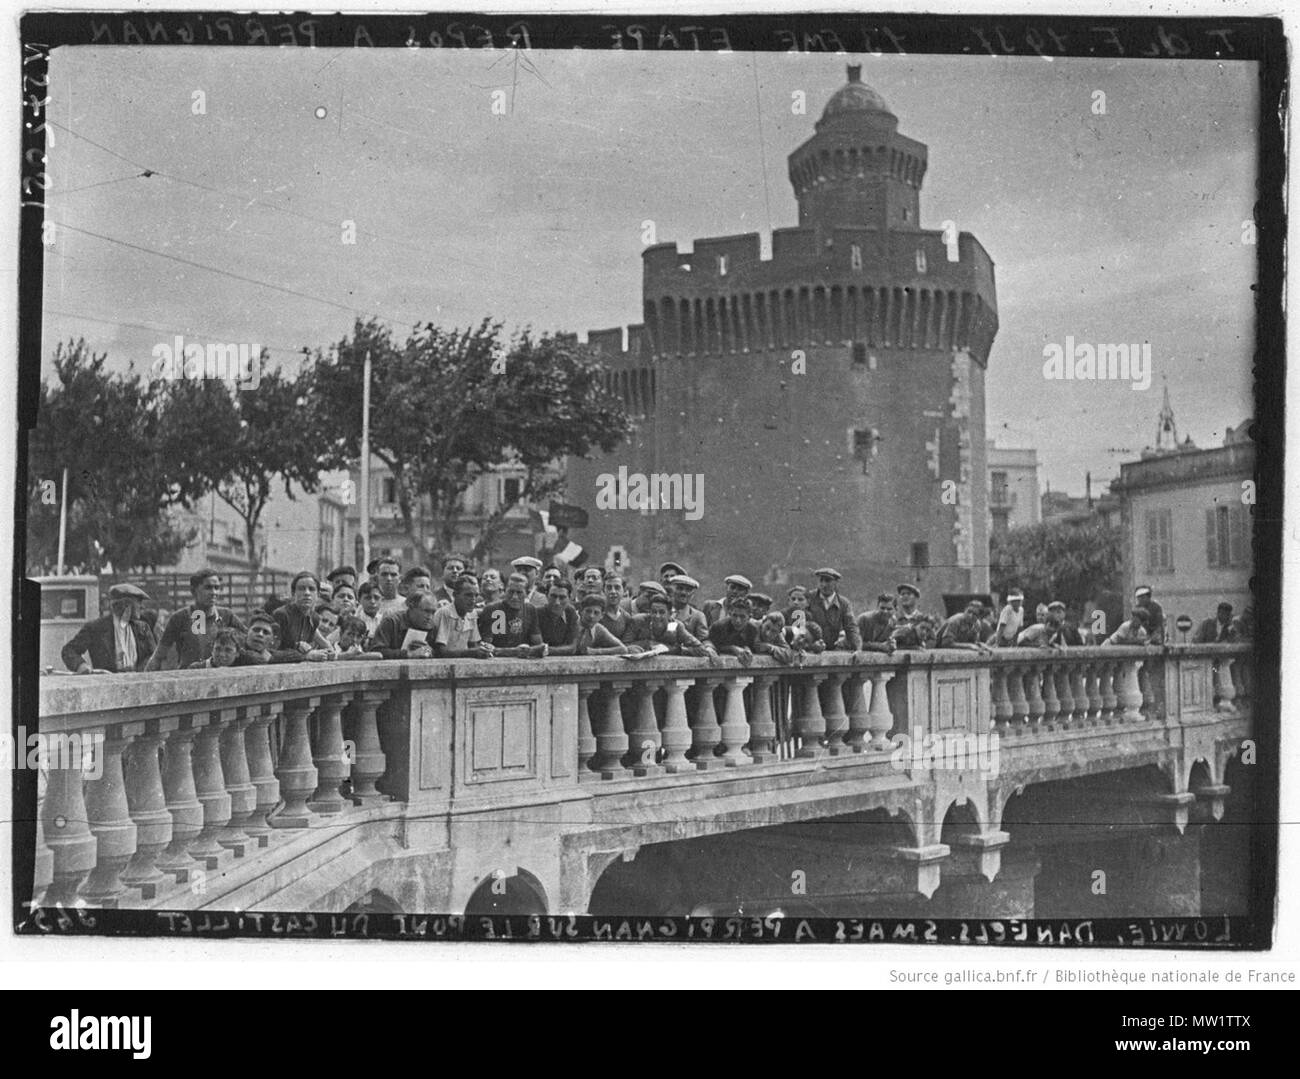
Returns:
(1001,700)
(735,726)
(109,817)
(266,788)
(880,720)
(677,729)
(1149,709)
(210,786)
(1109,701)
(1035,705)
(855,692)
(182,800)
(1092,676)
(368,761)
(706,734)
(1060,675)
(1078,693)
(1227,691)
(67,833)
(1019,702)
(611,738)
(332,763)
(148,806)
(586,737)
(1241,673)
(809,723)
(1130,692)
(643,732)
(837,719)
(296,773)
(1051,702)
(233,749)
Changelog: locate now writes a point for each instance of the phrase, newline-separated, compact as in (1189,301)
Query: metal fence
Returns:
(243,591)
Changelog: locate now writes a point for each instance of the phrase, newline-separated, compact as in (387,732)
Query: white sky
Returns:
(1125,227)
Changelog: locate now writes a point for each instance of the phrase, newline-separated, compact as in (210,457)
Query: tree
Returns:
(447,406)
(239,441)
(1070,563)
(103,427)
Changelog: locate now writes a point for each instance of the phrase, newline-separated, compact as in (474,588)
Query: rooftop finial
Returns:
(855,72)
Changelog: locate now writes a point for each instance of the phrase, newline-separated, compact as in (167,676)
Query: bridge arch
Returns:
(522,893)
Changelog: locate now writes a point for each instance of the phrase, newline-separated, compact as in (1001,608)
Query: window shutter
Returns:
(1238,536)
(1166,539)
(1153,543)
(1211,538)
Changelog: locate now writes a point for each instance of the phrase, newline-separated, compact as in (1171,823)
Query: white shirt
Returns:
(124,645)
(1013,620)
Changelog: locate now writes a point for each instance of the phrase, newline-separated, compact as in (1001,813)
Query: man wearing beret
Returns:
(120,641)
(833,613)
(736,586)
(681,589)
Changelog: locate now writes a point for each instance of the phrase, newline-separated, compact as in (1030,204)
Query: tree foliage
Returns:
(1071,563)
(103,427)
(447,406)
(239,442)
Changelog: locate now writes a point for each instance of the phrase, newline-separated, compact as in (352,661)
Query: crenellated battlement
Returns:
(631,375)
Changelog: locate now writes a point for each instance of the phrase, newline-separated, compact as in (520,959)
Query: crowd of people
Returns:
(537,611)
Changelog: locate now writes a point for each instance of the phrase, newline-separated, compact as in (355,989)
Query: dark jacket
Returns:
(839,619)
(1212,631)
(388,639)
(97,638)
(296,625)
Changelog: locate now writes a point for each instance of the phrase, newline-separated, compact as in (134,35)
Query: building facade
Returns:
(1187,523)
(1013,488)
(826,403)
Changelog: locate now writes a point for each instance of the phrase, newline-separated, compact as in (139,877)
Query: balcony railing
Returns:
(199,770)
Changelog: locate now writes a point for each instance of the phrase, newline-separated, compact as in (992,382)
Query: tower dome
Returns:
(854,97)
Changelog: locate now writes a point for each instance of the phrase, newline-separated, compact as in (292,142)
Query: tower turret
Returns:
(857,170)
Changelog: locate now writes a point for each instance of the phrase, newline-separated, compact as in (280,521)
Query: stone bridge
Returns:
(856,783)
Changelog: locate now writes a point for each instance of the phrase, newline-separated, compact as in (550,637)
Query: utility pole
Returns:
(63,521)
(365,461)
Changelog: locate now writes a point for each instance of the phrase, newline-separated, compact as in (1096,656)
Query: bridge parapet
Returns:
(199,775)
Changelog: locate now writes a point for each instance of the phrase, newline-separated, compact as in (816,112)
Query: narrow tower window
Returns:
(722,265)
(855,256)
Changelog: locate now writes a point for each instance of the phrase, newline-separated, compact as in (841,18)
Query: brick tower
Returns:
(831,396)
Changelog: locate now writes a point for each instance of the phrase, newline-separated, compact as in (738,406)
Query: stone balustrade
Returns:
(199,771)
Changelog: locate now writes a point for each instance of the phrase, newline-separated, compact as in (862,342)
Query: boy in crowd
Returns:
(261,641)
(616,618)
(510,623)
(225,651)
(352,640)
(416,579)
(558,621)
(737,634)
(913,628)
(342,575)
(452,567)
(344,600)
(454,633)
(327,629)
(760,604)
(593,639)
(490,585)
(189,632)
(772,632)
(369,597)
(656,633)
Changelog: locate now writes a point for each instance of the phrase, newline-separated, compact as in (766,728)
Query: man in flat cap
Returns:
(833,613)
(737,585)
(761,606)
(681,590)
(658,632)
(1155,613)
(119,641)
(667,572)
(913,628)
(645,592)
(530,567)
(1048,634)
